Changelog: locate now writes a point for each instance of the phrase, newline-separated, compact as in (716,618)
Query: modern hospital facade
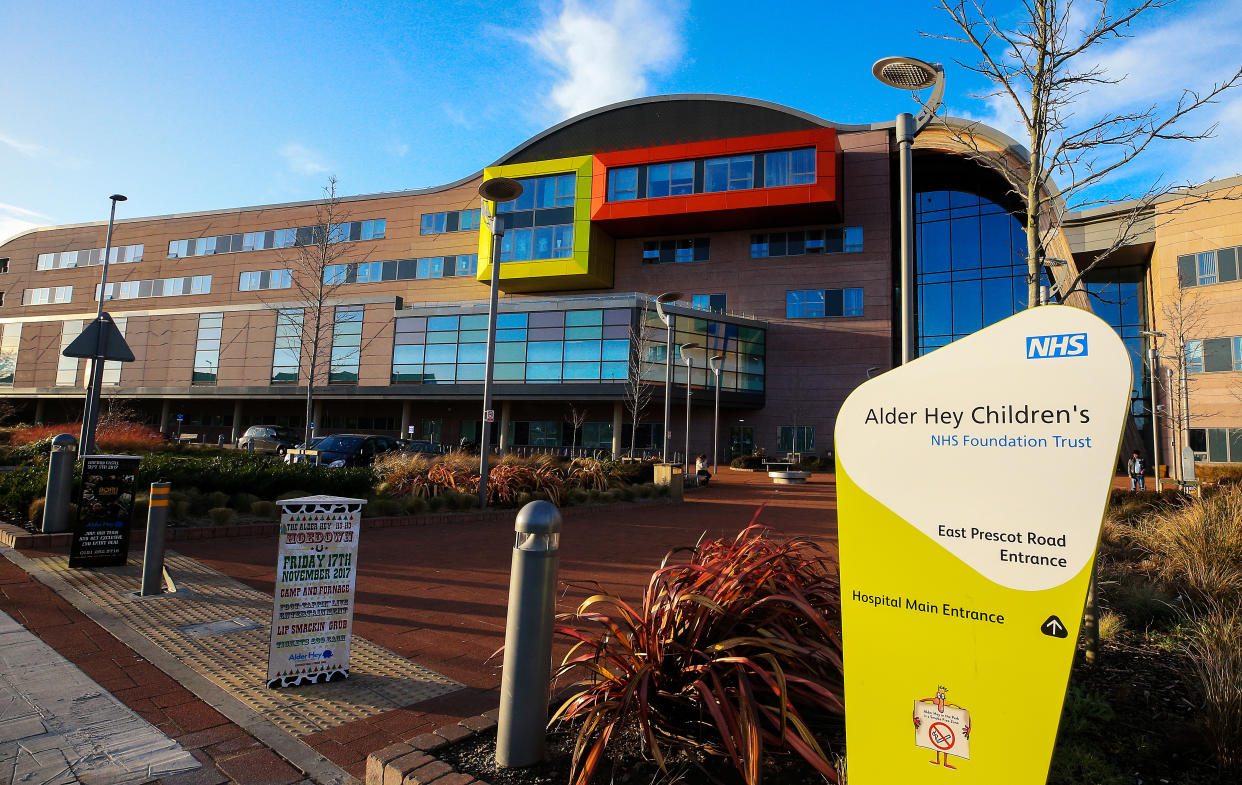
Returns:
(779,228)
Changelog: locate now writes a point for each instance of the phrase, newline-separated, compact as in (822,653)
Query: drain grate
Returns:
(220,627)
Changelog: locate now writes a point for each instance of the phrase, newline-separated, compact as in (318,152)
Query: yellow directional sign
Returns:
(971,488)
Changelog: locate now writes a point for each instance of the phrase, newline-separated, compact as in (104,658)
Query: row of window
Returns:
(541,242)
(454,221)
(841,239)
(812,303)
(710,175)
(278,238)
(402,269)
(1208,267)
(1217,445)
(541,193)
(1210,355)
(121,254)
(48,295)
(259,280)
(697,249)
(157,287)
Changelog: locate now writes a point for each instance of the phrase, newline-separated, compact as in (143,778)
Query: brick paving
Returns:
(167,705)
(436,593)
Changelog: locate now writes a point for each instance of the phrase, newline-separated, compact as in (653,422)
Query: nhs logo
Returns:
(1069,345)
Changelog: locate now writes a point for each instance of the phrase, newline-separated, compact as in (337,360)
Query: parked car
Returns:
(352,449)
(421,446)
(269,438)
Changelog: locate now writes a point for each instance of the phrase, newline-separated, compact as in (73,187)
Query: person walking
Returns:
(1136,467)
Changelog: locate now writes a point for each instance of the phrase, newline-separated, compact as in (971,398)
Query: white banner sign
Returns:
(316,567)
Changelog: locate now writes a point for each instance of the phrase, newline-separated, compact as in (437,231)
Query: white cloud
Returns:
(28,149)
(14,220)
(301,159)
(605,52)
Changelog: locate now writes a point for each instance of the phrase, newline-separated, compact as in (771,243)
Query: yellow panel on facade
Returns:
(591,264)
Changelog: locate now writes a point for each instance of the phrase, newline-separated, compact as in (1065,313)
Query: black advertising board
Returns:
(101,535)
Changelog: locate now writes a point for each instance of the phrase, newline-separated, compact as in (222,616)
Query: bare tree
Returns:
(313,286)
(1046,69)
(576,418)
(1184,321)
(638,390)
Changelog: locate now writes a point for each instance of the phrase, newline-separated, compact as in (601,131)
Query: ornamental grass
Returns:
(733,654)
(1197,548)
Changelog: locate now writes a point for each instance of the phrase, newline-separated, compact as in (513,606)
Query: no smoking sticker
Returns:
(942,727)
(941,736)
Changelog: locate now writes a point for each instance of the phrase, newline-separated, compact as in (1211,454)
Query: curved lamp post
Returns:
(907,73)
(91,410)
(667,318)
(1153,368)
(714,362)
(685,347)
(495,190)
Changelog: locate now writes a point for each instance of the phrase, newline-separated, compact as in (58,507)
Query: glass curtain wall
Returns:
(970,266)
(1117,297)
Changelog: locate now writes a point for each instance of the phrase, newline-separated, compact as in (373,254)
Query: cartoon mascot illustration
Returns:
(941,735)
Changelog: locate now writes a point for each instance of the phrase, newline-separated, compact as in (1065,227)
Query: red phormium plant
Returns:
(729,654)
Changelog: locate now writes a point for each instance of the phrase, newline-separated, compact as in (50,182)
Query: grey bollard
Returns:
(59,483)
(153,553)
(521,726)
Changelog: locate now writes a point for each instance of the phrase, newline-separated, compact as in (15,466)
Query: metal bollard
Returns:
(59,483)
(521,728)
(153,553)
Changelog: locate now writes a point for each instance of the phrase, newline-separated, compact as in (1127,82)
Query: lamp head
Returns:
(661,301)
(906,73)
(685,347)
(500,189)
(714,361)
(118,198)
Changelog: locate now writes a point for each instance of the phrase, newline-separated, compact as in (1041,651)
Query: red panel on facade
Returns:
(719,209)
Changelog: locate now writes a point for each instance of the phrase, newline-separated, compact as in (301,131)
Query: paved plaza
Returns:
(429,615)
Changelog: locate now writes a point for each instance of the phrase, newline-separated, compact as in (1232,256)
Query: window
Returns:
(1217,445)
(675,179)
(346,344)
(1209,267)
(795,438)
(812,303)
(159,287)
(1214,355)
(207,349)
(708,302)
(841,239)
(539,224)
(545,242)
(4,265)
(789,167)
(67,367)
(456,221)
(10,346)
(265,279)
(402,269)
(121,254)
(669,251)
(279,238)
(287,346)
(1,299)
(728,174)
(52,295)
(111,376)
(623,184)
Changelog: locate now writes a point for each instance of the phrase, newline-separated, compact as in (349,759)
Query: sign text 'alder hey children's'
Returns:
(316,570)
(971,486)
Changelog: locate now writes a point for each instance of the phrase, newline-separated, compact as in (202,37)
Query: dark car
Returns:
(269,438)
(353,449)
(421,446)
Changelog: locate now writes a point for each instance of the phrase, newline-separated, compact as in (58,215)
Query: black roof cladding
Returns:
(651,122)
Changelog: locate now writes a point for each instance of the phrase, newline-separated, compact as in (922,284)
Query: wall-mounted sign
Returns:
(972,485)
(105,505)
(316,567)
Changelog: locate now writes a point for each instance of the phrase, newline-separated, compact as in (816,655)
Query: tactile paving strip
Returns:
(379,679)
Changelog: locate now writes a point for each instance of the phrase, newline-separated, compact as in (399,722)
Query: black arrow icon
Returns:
(1054,628)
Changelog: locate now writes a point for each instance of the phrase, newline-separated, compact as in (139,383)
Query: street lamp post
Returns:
(685,347)
(1153,369)
(667,318)
(713,362)
(90,410)
(908,73)
(495,191)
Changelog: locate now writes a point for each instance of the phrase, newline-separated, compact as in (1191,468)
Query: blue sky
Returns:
(201,105)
